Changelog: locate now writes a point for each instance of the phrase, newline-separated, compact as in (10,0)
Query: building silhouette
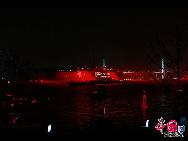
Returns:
(9,65)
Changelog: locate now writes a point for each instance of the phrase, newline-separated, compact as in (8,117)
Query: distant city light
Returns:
(140,72)
(179,90)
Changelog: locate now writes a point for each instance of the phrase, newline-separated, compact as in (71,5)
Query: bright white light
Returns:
(49,128)
(163,71)
(147,123)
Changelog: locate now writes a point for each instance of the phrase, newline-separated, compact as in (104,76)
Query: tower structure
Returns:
(163,70)
(103,64)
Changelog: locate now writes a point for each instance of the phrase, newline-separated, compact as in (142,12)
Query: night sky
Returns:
(58,38)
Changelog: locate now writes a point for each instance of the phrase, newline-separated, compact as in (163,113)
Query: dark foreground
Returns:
(118,134)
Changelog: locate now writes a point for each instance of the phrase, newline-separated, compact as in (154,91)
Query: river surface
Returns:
(73,108)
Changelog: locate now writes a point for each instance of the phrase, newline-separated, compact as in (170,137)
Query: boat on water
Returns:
(80,83)
(90,83)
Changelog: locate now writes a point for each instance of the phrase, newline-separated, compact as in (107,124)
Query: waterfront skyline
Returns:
(72,37)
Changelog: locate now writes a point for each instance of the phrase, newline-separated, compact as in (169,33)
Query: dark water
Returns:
(72,108)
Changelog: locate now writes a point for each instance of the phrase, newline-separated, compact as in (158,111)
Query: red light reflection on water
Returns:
(74,107)
(34,101)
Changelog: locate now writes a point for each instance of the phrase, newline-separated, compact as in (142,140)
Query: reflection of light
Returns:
(179,90)
(9,95)
(147,123)
(34,101)
(11,105)
(49,128)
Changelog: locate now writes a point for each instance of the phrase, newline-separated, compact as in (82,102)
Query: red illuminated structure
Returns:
(94,74)
(144,105)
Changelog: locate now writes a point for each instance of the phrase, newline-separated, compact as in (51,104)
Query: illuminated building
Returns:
(87,74)
(94,74)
